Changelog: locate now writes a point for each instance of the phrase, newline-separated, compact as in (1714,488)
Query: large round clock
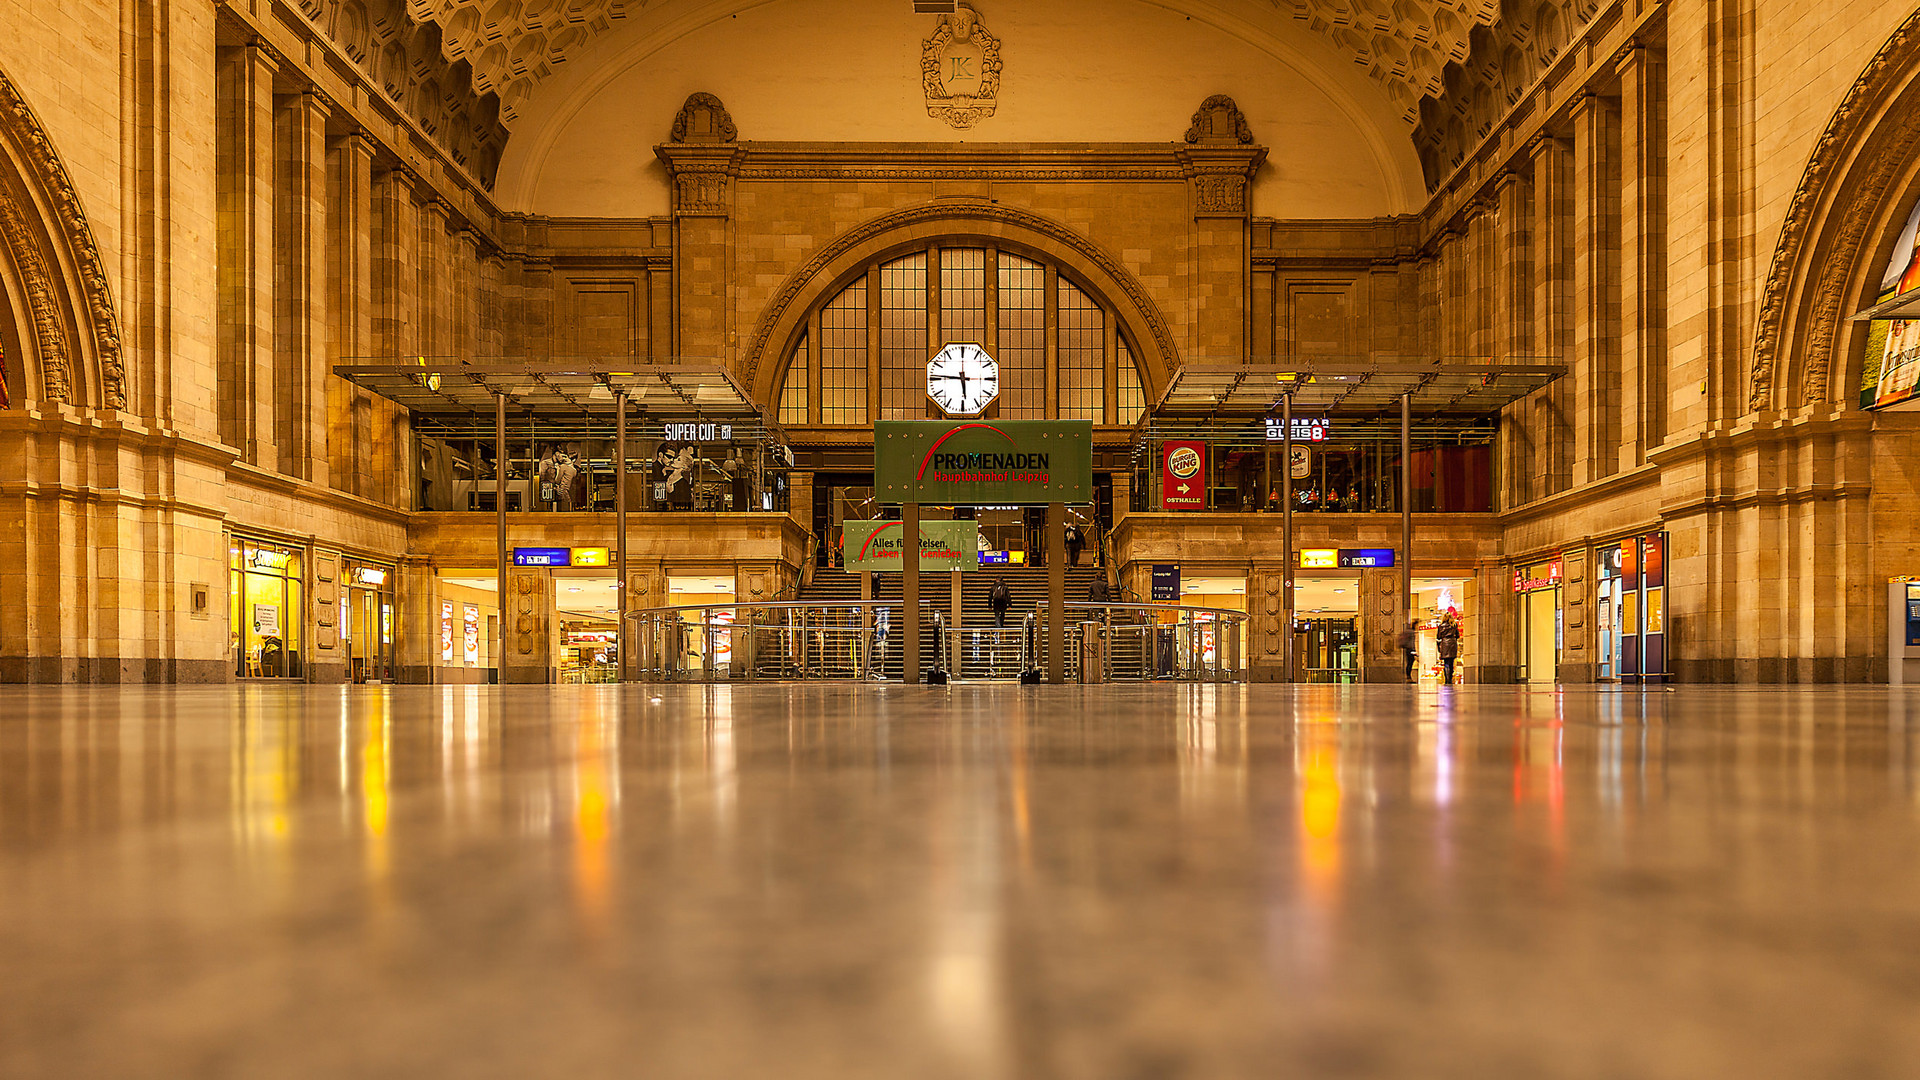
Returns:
(962,379)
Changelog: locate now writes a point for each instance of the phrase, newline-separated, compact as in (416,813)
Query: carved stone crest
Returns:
(960,69)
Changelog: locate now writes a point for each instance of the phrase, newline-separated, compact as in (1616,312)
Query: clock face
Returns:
(962,379)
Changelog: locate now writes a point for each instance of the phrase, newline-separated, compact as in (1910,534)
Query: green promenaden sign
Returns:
(944,545)
(983,462)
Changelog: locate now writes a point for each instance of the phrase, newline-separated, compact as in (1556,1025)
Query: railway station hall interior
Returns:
(1109,538)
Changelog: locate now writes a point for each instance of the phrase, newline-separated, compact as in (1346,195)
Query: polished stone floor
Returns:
(857,881)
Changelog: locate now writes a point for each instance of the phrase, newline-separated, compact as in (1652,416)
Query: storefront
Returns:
(1219,594)
(1433,600)
(587,620)
(715,592)
(1537,586)
(366,626)
(1631,609)
(266,608)
(467,614)
(1339,465)
(1326,620)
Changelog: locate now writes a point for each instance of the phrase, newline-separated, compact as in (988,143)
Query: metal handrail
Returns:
(793,640)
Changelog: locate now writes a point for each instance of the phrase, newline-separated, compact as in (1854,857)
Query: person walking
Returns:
(1410,645)
(1075,542)
(1100,592)
(1448,642)
(1000,598)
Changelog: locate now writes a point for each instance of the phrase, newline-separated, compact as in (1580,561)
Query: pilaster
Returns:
(1596,287)
(1552,306)
(244,152)
(300,286)
(349,254)
(1643,252)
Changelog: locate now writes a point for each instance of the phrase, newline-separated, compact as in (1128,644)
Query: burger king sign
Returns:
(1183,480)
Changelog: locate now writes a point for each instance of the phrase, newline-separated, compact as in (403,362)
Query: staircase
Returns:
(985,652)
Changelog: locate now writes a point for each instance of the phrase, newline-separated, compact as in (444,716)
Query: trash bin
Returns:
(1093,653)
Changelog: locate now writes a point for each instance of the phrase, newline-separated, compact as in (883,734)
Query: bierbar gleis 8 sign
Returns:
(983,462)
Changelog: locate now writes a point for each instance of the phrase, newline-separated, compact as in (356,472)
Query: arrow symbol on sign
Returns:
(1183,489)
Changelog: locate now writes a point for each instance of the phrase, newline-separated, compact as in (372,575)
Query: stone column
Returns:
(1513,268)
(1643,251)
(1552,305)
(702,160)
(416,646)
(1381,617)
(800,498)
(1596,287)
(395,254)
(527,605)
(1477,285)
(244,152)
(430,277)
(1489,643)
(395,326)
(349,252)
(1577,649)
(1513,324)
(1265,647)
(300,286)
(1219,161)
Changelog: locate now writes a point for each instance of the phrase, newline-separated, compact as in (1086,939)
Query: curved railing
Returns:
(796,641)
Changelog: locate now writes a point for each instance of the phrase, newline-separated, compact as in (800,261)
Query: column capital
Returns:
(360,142)
(264,55)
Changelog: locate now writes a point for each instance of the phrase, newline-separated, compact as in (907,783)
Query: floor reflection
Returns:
(978,881)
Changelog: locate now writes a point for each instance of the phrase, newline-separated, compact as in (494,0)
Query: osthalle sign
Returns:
(982,462)
(1183,480)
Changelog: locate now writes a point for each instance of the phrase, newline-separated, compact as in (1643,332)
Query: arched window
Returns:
(864,353)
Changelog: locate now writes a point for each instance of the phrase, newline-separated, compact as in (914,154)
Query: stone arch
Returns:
(63,327)
(1864,171)
(1110,283)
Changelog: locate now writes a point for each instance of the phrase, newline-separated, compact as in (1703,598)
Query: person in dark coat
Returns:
(1447,641)
(1100,592)
(1410,645)
(1000,598)
(1075,542)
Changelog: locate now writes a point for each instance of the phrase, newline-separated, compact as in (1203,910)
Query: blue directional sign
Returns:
(542,556)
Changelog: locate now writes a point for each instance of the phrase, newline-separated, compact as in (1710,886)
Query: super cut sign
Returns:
(983,462)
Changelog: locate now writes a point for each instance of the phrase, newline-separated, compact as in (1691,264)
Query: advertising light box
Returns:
(978,463)
(878,546)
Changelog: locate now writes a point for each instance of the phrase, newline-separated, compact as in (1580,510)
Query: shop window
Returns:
(265,585)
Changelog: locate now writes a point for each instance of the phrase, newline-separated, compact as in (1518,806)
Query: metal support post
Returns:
(910,593)
(958,595)
(1405,558)
(1056,592)
(500,531)
(621,637)
(1286,527)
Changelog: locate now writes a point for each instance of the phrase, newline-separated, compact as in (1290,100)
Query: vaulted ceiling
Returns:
(1419,52)
(1405,45)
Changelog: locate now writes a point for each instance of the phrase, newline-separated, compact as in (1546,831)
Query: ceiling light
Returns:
(575,589)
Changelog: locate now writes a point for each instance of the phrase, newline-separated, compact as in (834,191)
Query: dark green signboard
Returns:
(983,462)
